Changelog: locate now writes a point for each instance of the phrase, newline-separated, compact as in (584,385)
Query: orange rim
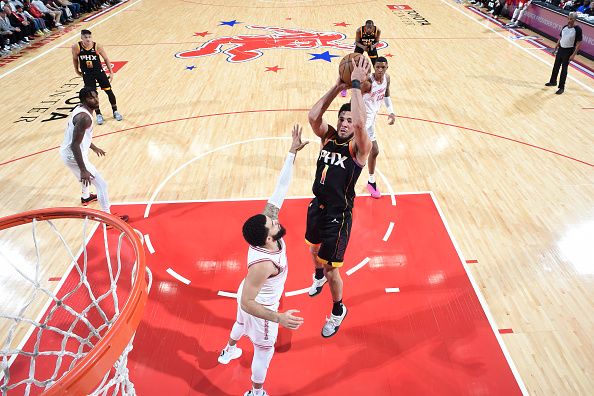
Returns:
(89,371)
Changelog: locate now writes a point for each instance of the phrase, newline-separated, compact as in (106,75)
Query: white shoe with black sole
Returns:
(333,323)
(225,357)
(316,287)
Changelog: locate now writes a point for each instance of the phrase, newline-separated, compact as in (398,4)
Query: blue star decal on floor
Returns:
(229,23)
(323,56)
(190,67)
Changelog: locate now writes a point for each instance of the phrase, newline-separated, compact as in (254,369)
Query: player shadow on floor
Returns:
(178,358)
(445,337)
(180,354)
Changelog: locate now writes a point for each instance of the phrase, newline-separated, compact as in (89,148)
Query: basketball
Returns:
(365,86)
(346,67)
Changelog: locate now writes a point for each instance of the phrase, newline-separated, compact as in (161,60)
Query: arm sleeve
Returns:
(282,185)
(388,103)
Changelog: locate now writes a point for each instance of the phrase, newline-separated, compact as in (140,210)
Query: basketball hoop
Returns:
(74,339)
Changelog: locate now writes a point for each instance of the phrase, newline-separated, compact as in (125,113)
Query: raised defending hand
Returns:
(286,319)
(297,144)
(360,69)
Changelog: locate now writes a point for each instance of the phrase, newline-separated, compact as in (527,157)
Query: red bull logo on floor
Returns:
(246,47)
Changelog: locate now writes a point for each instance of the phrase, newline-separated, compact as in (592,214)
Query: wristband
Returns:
(356,84)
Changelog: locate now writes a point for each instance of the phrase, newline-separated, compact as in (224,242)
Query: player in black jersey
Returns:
(342,157)
(87,63)
(367,40)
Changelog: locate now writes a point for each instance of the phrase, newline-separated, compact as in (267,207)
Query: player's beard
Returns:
(341,140)
(281,233)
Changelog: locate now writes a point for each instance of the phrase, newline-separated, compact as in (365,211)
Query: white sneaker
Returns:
(333,323)
(225,357)
(251,393)
(316,287)
(117,116)
(100,119)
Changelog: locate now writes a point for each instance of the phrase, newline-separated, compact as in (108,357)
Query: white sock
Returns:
(231,348)
(85,191)
(371,178)
(257,392)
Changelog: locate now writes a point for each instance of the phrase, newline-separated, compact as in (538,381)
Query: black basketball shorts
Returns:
(330,229)
(94,79)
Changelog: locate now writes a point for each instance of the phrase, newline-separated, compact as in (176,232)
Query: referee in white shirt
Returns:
(566,49)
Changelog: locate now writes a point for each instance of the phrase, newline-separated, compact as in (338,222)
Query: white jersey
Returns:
(273,287)
(69,133)
(373,99)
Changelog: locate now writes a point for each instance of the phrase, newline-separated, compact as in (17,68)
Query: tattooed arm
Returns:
(282,186)
(271,211)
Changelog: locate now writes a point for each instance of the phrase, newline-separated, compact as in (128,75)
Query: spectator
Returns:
(5,33)
(522,6)
(24,26)
(66,15)
(13,37)
(584,7)
(36,13)
(38,23)
(55,15)
(496,7)
(73,7)
(590,10)
(572,5)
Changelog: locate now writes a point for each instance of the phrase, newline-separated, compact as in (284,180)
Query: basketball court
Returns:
(471,275)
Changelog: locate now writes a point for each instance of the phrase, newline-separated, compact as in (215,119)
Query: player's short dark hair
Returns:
(86,92)
(254,230)
(344,107)
(85,31)
(369,22)
(381,59)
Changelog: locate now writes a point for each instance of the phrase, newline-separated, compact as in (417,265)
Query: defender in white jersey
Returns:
(380,92)
(259,294)
(75,147)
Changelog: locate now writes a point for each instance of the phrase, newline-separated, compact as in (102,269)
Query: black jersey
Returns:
(337,173)
(368,38)
(89,59)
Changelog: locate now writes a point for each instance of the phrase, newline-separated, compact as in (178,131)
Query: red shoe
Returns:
(86,201)
(122,217)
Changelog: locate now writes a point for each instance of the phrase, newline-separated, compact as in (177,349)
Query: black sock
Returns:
(114,108)
(319,273)
(98,111)
(337,308)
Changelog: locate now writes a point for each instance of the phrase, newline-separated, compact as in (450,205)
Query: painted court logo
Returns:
(407,15)
(245,47)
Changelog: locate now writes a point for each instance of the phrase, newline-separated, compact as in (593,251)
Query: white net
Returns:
(49,323)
